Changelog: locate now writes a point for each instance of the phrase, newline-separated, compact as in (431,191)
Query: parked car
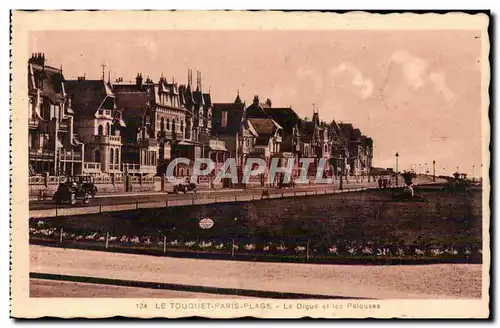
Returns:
(185,187)
(85,182)
(75,188)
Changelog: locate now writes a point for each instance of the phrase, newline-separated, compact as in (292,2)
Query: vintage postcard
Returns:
(250,164)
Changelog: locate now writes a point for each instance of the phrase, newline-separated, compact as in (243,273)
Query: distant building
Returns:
(228,124)
(360,150)
(54,148)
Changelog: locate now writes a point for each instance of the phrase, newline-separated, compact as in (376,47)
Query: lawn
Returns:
(362,224)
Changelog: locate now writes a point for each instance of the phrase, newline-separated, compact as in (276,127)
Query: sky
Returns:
(417,93)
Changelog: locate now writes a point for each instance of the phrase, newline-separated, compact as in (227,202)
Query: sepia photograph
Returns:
(265,164)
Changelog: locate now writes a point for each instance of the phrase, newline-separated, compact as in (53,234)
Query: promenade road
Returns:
(222,195)
(254,278)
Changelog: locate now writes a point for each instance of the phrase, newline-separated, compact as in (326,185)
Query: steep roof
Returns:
(207,99)
(48,80)
(307,130)
(235,112)
(335,129)
(264,126)
(356,133)
(198,98)
(346,129)
(133,105)
(284,116)
(256,110)
(88,95)
(238,99)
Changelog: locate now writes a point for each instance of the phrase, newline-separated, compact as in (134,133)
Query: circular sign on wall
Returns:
(206,223)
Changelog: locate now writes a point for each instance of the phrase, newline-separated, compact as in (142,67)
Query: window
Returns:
(99,130)
(97,156)
(111,156)
(108,130)
(182,126)
(100,111)
(223,123)
(162,124)
(168,124)
(113,130)
(108,112)
(117,156)
(173,125)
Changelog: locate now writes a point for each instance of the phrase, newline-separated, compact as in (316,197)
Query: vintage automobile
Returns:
(185,187)
(75,188)
(85,182)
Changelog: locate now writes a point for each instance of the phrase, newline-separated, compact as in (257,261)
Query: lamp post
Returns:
(473,166)
(397,173)
(341,167)
(433,171)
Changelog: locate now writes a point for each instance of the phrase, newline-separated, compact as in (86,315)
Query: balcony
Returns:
(70,156)
(41,155)
(147,142)
(217,145)
(33,123)
(63,125)
(114,168)
(108,140)
(167,135)
(138,168)
(91,167)
(36,123)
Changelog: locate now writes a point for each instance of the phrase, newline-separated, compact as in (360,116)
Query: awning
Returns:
(187,143)
(217,147)
(76,142)
(120,122)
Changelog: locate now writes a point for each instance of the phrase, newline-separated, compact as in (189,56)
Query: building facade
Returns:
(99,123)
(54,148)
(138,128)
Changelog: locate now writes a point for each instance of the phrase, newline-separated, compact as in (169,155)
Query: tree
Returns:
(408,177)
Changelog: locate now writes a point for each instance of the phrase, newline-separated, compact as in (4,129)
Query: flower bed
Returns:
(291,249)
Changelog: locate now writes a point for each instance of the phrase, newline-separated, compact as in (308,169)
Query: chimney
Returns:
(138,80)
(38,59)
(198,86)
(256,100)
